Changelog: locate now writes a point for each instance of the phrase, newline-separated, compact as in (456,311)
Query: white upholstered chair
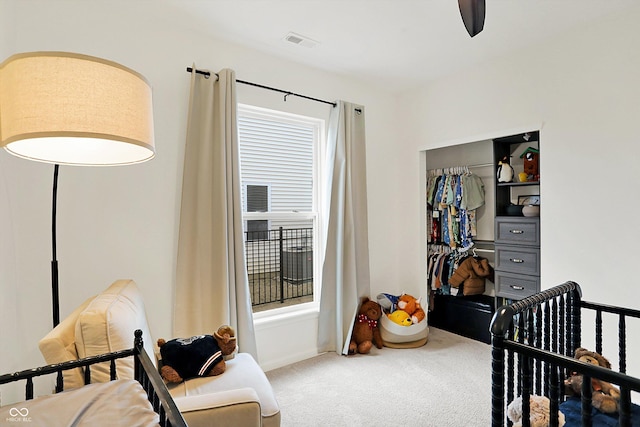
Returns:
(241,396)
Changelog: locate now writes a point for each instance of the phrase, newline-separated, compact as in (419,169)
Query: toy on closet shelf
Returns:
(530,160)
(505,171)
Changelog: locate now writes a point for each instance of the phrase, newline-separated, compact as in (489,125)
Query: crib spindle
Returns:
(59,382)
(586,401)
(29,389)
(538,344)
(554,395)
(624,419)
(576,320)
(497,381)
(112,370)
(599,331)
(622,343)
(547,345)
(87,374)
(526,391)
(510,368)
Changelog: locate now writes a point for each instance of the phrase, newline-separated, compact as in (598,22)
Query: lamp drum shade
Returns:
(67,108)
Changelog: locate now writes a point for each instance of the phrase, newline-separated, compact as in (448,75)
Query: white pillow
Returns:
(107,324)
(58,346)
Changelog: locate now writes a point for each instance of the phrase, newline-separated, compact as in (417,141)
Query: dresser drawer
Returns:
(515,286)
(518,259)
(518,230)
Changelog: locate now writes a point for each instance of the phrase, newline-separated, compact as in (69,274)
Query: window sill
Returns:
(285,315)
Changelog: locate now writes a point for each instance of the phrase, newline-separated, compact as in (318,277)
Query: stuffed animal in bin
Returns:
(366,331)
(400,317)
(412,306)
(388,302)
(605,396)
(198,356)
(538,412)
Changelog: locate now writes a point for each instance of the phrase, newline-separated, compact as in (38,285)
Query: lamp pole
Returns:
(54,261)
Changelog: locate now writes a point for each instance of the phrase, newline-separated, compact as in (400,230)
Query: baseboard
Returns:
(288,360)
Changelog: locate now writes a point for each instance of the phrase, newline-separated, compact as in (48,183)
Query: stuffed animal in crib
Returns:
(366,331)
(411,305)
(605,396)
(538,412)
(198,356)
(505,171)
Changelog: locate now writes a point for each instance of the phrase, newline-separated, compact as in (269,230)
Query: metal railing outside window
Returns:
(280,267)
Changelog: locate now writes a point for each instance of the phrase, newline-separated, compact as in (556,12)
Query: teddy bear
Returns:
(198,356)
(411,305)
(366,331)
(605,396)
(538,412)
(471,274)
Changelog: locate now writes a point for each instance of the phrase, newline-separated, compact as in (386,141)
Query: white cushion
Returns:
(107,324)
(58,346)
(241,372)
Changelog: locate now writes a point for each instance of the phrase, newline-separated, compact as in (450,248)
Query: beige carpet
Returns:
(445,383)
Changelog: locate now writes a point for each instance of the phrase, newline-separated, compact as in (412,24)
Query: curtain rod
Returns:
(286,92)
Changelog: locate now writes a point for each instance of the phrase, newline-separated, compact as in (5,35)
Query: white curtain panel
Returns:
(345,270)
(212,287)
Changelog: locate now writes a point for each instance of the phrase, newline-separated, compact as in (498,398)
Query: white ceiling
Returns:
(404,42)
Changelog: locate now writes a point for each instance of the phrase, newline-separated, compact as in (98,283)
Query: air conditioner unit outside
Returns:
(297,264)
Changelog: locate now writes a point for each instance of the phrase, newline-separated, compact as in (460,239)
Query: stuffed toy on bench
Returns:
(198,356)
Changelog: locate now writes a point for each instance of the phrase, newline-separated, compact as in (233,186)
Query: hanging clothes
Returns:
(453,195)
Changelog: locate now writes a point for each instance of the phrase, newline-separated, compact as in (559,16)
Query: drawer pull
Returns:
(517,288)
(516,260)
(516,231)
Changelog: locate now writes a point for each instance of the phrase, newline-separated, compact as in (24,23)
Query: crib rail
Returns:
(533,344)
(144,371)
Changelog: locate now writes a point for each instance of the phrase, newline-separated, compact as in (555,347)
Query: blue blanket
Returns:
(571,409)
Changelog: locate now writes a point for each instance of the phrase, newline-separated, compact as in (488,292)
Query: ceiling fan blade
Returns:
(472,12)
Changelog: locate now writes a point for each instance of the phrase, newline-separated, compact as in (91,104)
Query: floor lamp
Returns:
(72,109)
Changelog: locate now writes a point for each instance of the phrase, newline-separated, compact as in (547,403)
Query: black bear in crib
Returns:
(198,356)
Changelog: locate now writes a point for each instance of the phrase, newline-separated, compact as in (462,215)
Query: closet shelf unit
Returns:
(517,238)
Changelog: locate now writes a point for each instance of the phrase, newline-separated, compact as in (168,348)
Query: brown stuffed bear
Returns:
(471,274)
(365,329)
(198,356)
(606,396)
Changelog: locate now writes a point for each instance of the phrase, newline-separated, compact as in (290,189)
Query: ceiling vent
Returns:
(300,40)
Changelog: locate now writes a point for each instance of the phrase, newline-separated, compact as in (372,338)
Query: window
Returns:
(278,163)
(257,200)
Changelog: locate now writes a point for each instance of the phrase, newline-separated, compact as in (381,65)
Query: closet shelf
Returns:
(517,184)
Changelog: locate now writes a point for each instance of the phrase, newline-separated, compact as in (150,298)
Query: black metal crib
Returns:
(145,373)
(533,346)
